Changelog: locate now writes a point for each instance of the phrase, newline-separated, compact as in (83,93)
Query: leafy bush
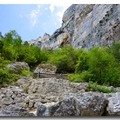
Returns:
(86,76)
(64,59)
(26,73)
(114,49)
(5,76)
(99,66)
(82,63)
(100,88)
(74,77)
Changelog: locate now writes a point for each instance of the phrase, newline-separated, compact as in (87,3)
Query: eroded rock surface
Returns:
(45,68)
(86,104)
(114,104)
(47,90)
(15,111)
(57,97)
(17,67)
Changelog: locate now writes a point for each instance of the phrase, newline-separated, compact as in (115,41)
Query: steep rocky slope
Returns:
(84,26)
(56,97)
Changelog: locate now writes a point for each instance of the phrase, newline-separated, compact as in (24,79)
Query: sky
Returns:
(31,20)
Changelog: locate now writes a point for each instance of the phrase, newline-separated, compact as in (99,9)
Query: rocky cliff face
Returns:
(86,25)
(93,24)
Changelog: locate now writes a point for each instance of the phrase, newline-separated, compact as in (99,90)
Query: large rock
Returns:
(17,67)
(45,68)
(87,104)
(114,104)
(92,104)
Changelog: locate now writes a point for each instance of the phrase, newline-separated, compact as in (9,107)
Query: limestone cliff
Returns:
(86,25)
(92,24)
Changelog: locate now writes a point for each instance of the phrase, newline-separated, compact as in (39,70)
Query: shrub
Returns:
(100,88)
(114,49)
(64,59)
(82,62)
(74,77)
(98,65)
(5,76)
(102,66)
(26,73)
(86,76)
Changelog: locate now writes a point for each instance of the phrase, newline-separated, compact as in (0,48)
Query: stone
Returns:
(31,103)
(23,105)
(49,89)
(26,100)
(66,107)
(91,104)
(45,68)
(1,101)
(117,89)
(86,104)
(7,100)
(9,94)
(15,111)
(17,67)
(18,100)
(79,86)
(113,108)
(41,110)
(12,95)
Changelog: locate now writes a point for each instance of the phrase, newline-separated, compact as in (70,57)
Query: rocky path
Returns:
(55,97)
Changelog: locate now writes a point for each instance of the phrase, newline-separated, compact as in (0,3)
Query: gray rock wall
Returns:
(88,25)
(93,24)
(85,26)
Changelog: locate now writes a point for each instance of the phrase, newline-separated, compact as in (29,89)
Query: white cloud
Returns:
(63,6)
(61,10)
(59,16)
(56,9)
(34,15)
(51,7)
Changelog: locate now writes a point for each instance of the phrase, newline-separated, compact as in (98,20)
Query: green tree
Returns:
(11,43)
(101,65)
(115,50)
(65,59)
(82,63)
(5,76)
(9,53)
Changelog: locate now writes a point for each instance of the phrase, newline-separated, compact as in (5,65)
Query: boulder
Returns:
(113,108)
(86,104)
(45,68)
(66,107)
(91,104)
(17,67)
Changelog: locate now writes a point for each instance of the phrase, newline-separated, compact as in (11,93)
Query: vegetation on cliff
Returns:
(100,64)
